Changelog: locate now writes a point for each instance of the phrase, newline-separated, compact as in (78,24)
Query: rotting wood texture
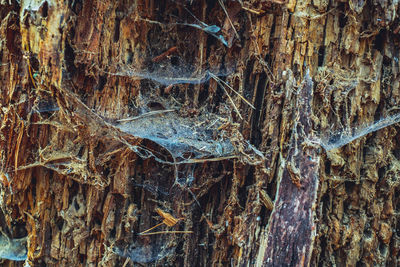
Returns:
(291,230)
(116,115)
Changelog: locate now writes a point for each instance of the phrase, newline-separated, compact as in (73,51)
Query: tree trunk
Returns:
(245,132)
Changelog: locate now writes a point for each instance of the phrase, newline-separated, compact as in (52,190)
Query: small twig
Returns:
(152,21)
(151,228)
(30,74)
(257,12)
(168,232)
(29,215)
(230,99)
(229,19)
(126,262)
(230,87)
(165,54)
(169,221)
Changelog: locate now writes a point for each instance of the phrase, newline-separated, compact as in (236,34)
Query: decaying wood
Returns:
(93,91)
(291,230)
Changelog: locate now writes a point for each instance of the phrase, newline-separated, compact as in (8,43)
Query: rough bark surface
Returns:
(120,115)
(291,228)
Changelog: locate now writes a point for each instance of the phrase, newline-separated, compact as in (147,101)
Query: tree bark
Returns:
(249,132)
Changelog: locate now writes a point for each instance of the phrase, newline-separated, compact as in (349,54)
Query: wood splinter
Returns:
(166,54)
(290,235)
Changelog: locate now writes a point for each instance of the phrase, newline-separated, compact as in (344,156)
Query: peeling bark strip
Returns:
(291,229)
